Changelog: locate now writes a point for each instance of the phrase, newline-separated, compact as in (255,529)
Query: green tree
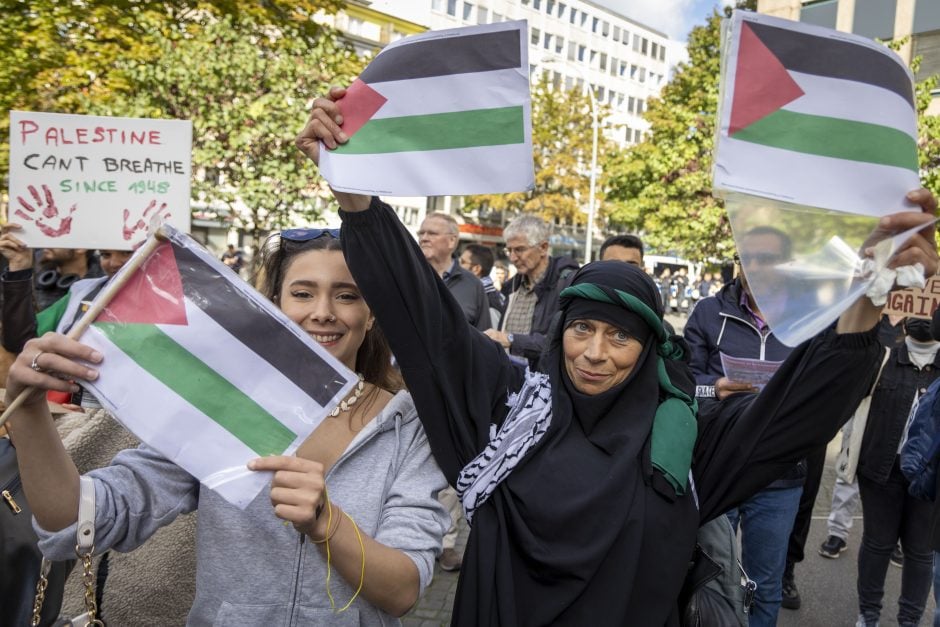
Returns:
(662,186)
(561,148)
(67,57)
(247,91)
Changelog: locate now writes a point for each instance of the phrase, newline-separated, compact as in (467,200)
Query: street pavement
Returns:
(827,586)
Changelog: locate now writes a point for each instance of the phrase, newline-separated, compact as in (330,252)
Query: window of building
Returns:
(640,105)
(483,15)
(559,44)
(467,11)
(623,68)
(572,51)
(549,7)
(636,43)
(603,61)
(606,28)
(637,136)
(616,33)
(642,74)
(662,53)
(580,83)
(600,93)
(634,70)
(452,7)
(561,10)
(628,134)
(556,80)
(614,64)
(497,17)
(548,41)
(437,5)
(593,56)
(573,16)
(534,36)
(594,24)
(584,18)
(581,52)
(821,13)
(626,37)
(926,16)
(537,5)
(569,83)
(619,100)
(654,50)
(644,49)
(875,18)
(631,104)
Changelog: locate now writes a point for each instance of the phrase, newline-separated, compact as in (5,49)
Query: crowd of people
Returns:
(586,444)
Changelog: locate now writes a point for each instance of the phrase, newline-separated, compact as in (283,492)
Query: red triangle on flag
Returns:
(358,105)
(761,83)
(153,294)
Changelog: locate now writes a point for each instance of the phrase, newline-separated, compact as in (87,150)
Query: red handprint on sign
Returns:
(49,212)
(140,226)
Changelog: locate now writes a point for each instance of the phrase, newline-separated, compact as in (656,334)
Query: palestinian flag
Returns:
(815,117)
(444,112)
(205,370)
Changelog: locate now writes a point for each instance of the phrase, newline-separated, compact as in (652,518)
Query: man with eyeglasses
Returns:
(731,323)
(533,292)
(438,237)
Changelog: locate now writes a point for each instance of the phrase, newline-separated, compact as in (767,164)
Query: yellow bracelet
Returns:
(362,569)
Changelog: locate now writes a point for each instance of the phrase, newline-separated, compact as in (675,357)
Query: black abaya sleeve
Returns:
(459,378)
(748,441)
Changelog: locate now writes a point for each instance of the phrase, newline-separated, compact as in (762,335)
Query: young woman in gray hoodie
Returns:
(267,564)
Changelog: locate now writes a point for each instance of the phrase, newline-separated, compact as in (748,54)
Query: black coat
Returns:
(512,573)
(890,408)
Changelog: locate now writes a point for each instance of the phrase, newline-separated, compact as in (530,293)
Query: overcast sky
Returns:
(673,17)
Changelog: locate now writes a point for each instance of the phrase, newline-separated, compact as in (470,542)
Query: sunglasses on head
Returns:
(305,235)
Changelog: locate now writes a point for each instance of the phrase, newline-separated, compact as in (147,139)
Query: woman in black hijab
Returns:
(585,482)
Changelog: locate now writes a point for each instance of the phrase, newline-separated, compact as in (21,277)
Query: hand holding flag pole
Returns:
(109,292)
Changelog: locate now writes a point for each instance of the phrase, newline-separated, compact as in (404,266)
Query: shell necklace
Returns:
(347,404)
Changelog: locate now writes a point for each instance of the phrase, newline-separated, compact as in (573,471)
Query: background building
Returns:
(918,20)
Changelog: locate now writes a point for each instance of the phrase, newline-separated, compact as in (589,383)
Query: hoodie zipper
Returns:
(763,338)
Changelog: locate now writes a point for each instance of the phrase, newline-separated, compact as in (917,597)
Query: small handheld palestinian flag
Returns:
(814,117)
(208,372)
(441,113)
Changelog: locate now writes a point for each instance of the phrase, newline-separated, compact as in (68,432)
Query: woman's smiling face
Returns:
(319,294)
(598,355)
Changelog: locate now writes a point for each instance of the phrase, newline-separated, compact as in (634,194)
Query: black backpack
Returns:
(716,592)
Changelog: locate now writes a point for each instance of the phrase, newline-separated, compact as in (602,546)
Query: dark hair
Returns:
(374,357)
(625,241)
(786,245)
(481,256)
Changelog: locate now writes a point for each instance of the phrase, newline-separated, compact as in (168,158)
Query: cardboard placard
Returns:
(81,181)
(915,302)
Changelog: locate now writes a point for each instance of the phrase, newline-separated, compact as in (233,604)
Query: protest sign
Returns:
(915,302)
(80,181)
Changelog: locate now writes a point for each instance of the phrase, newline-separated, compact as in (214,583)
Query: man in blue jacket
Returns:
(732,324)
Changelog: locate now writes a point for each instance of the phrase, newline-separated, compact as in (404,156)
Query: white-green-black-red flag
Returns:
(441,113)
(814,117)
(205,370)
